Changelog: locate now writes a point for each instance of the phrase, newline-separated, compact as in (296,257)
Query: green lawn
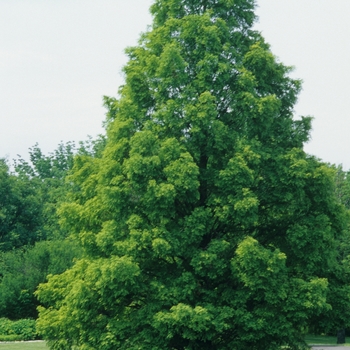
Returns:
(324,340)
(311,339)
(23,346)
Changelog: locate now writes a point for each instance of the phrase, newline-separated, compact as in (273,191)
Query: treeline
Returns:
(33,244)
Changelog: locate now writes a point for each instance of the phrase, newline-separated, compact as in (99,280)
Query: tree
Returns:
(21,271)
(47,173)
(20,210)
(342,185)
(204,224)
(28,214)
(339,281)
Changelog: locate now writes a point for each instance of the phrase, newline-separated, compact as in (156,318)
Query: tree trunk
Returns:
(341,336)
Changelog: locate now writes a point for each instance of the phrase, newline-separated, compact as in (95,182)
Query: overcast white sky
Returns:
(59,57)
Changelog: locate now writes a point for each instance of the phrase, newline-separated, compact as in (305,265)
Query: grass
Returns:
(310,339)
(23,346)
(323,340)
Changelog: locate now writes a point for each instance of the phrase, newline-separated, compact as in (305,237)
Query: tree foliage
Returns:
(47,174)
(204,224)
(22,270)
(31,195)
(20,209)
(32,243)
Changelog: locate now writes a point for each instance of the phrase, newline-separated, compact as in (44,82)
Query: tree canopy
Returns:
(204,224)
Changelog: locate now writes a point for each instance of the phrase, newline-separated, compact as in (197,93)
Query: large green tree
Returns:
(204,225)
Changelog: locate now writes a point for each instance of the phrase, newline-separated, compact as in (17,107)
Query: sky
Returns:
(59,57)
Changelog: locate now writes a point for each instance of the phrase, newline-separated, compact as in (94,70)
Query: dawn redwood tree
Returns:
(204,224)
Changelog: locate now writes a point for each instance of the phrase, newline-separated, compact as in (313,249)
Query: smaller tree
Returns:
(342,185)
(339,278)
(20,210)
(47,174)
(22,270)
(28,214)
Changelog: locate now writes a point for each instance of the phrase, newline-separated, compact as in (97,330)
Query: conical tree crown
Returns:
(239,14)
(205,225)
(206,50)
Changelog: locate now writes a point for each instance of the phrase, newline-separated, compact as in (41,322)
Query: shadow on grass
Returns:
(323,340)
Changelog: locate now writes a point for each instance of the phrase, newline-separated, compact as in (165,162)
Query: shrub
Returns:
(17,330)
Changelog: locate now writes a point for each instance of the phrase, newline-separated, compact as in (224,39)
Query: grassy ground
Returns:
(311,339)
(324,340)
(23,346)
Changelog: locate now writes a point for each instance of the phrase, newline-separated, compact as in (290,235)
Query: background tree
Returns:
(204,224)
(339,289)
(48,173)
(32,243)
(342,185)
(20,209)
(22,270)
